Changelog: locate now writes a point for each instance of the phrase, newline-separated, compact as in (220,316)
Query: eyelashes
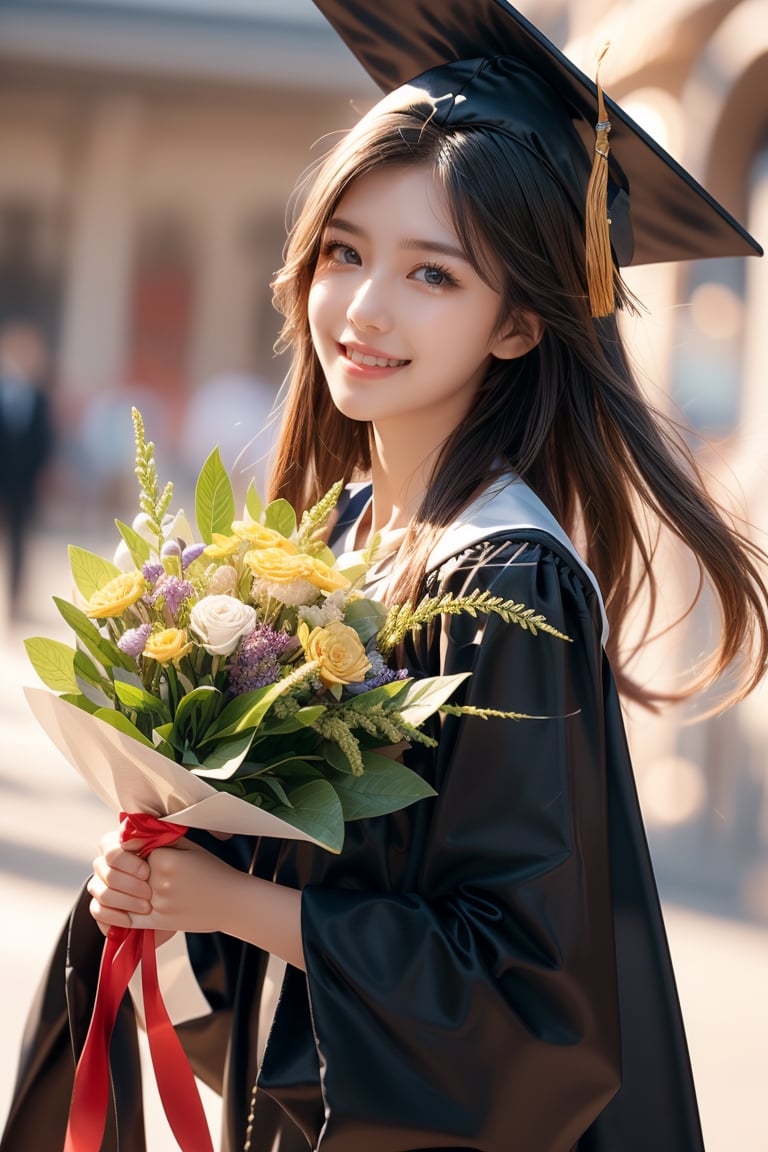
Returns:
(430,273)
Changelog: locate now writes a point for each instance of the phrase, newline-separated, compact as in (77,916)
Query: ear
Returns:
(526,332)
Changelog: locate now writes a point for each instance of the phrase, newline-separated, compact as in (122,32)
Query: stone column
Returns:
(102,239)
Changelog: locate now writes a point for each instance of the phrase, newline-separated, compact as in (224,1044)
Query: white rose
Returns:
(220,622)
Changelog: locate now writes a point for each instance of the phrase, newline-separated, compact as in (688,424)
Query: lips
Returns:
(371,359)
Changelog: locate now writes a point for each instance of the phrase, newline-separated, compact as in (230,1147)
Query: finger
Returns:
(117,860)
(110,844)
(118,891)
(107,918)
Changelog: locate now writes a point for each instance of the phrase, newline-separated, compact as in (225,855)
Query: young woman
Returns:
(487,970)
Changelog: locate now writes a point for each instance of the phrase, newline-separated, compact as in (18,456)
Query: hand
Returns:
(119,885)
(180,888)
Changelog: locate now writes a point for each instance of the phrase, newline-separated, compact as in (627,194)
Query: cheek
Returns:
(320,307)
(313,309)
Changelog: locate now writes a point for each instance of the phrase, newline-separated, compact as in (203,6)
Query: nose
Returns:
(368,309)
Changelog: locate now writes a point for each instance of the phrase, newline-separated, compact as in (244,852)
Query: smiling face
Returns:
(402,324)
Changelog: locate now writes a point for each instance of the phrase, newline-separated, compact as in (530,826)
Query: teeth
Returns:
(373,361)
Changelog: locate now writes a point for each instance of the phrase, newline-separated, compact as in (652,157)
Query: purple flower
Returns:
(132,642)
(257,661)
(171,548)
(191,553)
(152,572)
(172,591)
(384,675)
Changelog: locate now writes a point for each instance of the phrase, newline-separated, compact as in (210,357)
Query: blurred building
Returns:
(695,75)
(148,153)
(149,148)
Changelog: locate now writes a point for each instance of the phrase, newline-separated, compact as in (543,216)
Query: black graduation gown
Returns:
(487,970)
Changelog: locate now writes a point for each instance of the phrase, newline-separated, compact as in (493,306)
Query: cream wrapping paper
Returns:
(129,777)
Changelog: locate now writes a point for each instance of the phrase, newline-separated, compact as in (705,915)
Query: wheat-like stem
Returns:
(405,618)
(316,517)
(153,503)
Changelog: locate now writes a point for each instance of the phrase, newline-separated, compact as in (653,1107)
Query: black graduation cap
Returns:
(500,69)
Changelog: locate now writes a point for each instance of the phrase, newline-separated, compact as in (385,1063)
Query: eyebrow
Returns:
(408,245)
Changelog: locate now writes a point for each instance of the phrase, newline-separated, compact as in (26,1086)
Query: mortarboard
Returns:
(486,64)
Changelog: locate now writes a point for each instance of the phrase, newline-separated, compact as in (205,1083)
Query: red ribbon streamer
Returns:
(124,948)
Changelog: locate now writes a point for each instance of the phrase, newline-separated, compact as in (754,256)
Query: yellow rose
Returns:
(323,577)
(260,537)
(339,650)
(222,546)
(275,565)
(168,646)
(117,595)
(279,567)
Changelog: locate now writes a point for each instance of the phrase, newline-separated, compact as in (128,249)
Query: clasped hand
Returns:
(183,888)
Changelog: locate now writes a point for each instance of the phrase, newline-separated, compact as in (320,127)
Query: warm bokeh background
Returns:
(148,152)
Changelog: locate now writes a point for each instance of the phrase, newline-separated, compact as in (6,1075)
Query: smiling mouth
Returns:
(372,361)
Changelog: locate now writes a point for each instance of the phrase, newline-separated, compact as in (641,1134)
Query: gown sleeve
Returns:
(477,1008)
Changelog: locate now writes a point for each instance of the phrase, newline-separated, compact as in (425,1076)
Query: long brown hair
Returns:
(568,417)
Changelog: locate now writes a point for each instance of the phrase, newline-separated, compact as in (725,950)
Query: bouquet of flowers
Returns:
(245,654)
(236,678)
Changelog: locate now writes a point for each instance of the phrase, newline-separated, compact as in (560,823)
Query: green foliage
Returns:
(54,663)
(316,517)
(214,499)
(280,517)
(405,618)
(305,747)
(137,546)
(152,502)
(89,571)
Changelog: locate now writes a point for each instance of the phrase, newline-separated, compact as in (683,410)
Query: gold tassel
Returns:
(598,234)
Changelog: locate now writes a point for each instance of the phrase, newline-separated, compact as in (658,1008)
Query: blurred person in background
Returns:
(26,440)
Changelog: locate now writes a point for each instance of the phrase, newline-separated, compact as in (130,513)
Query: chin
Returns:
(352,408)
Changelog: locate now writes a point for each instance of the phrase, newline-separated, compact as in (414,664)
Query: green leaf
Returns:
(316,811)
(277,790)
(139,700)
(246,711)
(107,653)
(214,499)
(390,694)
(333,754)
(128,676)
(366,617)
(89,571)
(253,503)
(80,701)
(225,759)
(322,552)
(54,663)
(424,697)
(295,769)
(280,516)
(137,545)
(93,693)
(304,718)
(161,743)
(92,673)
(123,724)
(194,715)
(353,572)
(385,786)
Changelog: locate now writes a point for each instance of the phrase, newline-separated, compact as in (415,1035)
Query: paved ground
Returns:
(50,824)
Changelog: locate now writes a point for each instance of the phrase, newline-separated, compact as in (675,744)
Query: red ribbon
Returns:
(124,948)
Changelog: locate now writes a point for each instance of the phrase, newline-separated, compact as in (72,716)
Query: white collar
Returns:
(508,505)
